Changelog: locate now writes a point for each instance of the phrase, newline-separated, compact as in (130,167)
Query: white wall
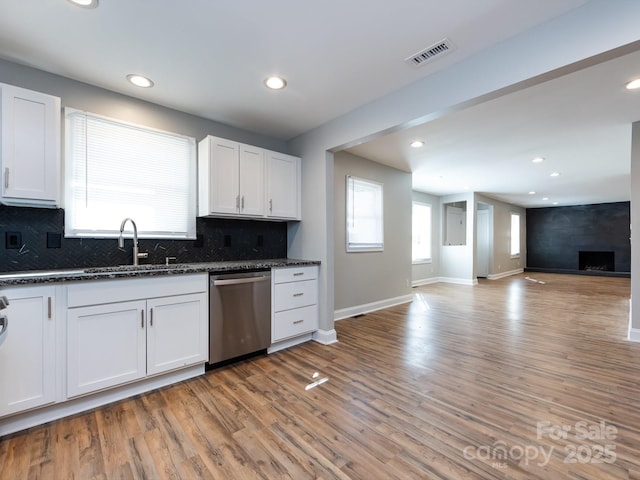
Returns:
(501,252)
(422,273)
(524,60)
(364,278)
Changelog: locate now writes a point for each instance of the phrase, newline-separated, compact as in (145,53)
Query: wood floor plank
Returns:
(454,385)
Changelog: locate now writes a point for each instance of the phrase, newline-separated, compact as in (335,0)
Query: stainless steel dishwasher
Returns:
(239,314)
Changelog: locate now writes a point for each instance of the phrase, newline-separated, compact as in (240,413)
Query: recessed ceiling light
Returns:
(545,198)
(140,80)
(538,160)
(633,84)
(85,3)
(417,144)
(532,192)
(554,203)
(554,174)
(275,82)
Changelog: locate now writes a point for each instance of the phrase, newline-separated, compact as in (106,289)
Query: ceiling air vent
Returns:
(430,53)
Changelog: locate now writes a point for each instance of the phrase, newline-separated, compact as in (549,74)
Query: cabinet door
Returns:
(251,181)
(283,186)
(177,332)
(30,147)
(105,346)
(27,355)
(224,171)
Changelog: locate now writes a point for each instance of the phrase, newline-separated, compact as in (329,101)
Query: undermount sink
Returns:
(129,268)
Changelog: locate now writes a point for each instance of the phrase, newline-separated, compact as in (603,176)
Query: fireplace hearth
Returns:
(596,261)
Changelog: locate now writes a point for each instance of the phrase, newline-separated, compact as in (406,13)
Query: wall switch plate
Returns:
(13,240)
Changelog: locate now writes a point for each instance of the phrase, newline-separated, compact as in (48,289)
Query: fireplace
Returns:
(596,261)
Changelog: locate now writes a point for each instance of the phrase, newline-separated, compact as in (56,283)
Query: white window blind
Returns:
(515,235)
(116,170)
(364,215)
(421,229)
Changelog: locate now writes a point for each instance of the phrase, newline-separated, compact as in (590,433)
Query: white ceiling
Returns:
(210,58)
(579,123)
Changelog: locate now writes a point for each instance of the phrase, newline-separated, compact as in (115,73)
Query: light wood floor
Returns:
(454,385)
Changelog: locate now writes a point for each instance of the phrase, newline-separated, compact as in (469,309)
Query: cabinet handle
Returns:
(297,274)
(298,294)
(270,205)
(151,317)
(6,177)
(49,308)
(242,203)
(141,318)
(298,322)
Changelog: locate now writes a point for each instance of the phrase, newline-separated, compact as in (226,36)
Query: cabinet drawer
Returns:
(294,322)
(294,295)
(294,274)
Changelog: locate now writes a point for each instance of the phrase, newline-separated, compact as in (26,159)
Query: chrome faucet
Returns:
(136,253)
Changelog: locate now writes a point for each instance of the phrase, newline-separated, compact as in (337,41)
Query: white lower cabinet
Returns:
(28,353)
(294,304)
(175,332)
(147,333)
(106,346)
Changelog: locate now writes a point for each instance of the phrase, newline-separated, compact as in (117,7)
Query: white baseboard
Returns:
(497,276)
(325,337)
(371,307)
(634,335)
(425,281)
(458,281)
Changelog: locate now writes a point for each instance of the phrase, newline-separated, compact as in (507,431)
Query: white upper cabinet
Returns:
(29,147)
(230,178)
(283,186)
(251,181)
(241,180)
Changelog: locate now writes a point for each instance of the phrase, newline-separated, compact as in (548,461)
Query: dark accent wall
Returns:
(555,235)
(42,245)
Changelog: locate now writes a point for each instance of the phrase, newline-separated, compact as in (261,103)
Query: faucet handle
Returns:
(143,255)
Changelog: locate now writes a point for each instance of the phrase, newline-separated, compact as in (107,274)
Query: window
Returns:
(421,233)
(515,235)
(364,215)
(116,170)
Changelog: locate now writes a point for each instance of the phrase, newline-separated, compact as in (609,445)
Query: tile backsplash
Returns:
(33,239)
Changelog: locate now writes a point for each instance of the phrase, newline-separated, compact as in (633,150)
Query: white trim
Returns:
(325,337)
(289,342)
(498,276)
(46,414)
(459,281)
(425,281)
(634,335)
(371,307)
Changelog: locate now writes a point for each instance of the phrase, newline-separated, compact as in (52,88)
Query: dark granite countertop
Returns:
(124,271)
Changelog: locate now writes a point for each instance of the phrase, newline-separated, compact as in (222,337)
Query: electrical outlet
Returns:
(13,240)
(54,240)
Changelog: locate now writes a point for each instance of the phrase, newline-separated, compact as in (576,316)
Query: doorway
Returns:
(484,238)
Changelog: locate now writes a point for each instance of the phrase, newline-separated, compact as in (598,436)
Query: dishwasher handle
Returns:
(237,281)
